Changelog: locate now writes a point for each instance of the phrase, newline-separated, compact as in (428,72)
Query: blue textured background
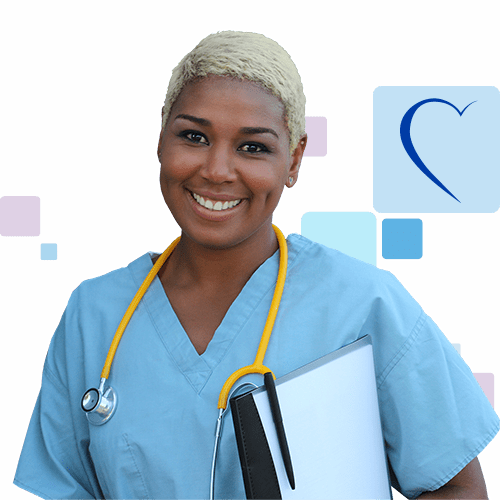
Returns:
(79,121)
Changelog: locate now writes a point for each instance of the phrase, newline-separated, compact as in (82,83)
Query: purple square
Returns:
(486,381)
(20,216)
(316,136)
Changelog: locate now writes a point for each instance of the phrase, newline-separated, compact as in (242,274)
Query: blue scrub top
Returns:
(159,443)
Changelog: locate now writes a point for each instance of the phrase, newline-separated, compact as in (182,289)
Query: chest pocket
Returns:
(116,463)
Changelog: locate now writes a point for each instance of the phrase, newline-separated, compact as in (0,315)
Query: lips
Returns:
(213,204)
(214,207)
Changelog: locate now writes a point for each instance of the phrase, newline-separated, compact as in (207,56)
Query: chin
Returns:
(223,238)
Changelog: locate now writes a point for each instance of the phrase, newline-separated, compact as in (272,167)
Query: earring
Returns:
(290,181)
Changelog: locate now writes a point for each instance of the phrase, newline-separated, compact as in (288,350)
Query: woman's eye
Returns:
(253,148)
(195,137)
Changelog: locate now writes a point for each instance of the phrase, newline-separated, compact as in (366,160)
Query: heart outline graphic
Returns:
(404,131)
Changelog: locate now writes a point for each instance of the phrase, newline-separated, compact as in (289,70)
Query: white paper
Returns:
(332,423)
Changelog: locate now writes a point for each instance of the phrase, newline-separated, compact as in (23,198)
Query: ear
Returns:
(296,159)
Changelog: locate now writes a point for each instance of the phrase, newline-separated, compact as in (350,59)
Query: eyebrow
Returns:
(258,130)
(243,130)
(199,121)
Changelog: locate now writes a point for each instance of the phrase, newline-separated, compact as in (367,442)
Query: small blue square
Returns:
(401,238)
(49,251)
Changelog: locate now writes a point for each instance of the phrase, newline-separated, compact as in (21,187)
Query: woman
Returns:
(232,138)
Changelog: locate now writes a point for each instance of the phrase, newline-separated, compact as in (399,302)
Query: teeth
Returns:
(215,205)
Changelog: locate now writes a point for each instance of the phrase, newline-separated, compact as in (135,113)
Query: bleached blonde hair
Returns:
(249,56)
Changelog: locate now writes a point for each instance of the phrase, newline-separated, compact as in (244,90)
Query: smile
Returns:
(214,204)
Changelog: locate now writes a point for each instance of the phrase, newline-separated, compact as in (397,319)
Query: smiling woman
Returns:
(225,159)
(226,143)
(232,138)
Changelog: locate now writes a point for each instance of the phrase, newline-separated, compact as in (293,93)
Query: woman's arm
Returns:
(468,483)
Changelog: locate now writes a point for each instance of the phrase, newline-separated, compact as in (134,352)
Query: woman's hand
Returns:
(467,484)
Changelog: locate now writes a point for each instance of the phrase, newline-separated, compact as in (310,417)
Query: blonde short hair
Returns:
(249,56)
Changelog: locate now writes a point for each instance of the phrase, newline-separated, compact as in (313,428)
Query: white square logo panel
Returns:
(436,149)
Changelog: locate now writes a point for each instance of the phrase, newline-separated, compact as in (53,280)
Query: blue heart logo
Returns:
(408,145)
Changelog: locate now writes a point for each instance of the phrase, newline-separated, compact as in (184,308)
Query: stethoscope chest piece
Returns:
(98,406)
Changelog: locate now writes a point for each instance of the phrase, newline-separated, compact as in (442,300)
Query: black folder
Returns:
(259,473)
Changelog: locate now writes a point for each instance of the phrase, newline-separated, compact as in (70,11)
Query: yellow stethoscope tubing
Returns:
(257,366)
(132,307)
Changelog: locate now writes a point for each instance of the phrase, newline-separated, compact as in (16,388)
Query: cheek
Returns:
(177,167)
(269,179)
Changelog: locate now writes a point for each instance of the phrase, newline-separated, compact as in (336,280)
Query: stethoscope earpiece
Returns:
(98,406)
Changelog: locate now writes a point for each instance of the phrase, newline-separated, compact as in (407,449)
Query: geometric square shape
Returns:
(486,381)
(401,238)
(49,251)
(316,136)
(20,216)
(457,347)
(353,233)
(436,149)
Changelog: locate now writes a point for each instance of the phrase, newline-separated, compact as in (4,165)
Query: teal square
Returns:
(49,251)
(401,238)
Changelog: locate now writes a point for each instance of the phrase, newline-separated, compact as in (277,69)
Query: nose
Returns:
(219,165)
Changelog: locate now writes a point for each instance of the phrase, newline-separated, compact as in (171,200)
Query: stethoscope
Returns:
(100,404)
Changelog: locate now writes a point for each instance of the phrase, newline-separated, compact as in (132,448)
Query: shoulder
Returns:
(311,261)
(357,298)
(117,278)
(92,315)
(111,288)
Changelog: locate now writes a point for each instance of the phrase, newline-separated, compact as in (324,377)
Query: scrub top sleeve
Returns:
(435,416)
(54,462)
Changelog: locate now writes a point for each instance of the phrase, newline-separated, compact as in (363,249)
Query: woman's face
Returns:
(225,160)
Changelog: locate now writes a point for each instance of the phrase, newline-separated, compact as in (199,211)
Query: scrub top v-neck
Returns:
(195,367)
(159,443)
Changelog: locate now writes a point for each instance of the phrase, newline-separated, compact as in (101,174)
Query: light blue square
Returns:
(353,233)
(49,251)
(401,238)
(454,133)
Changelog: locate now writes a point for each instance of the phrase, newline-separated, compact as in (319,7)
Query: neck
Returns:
(192,264)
